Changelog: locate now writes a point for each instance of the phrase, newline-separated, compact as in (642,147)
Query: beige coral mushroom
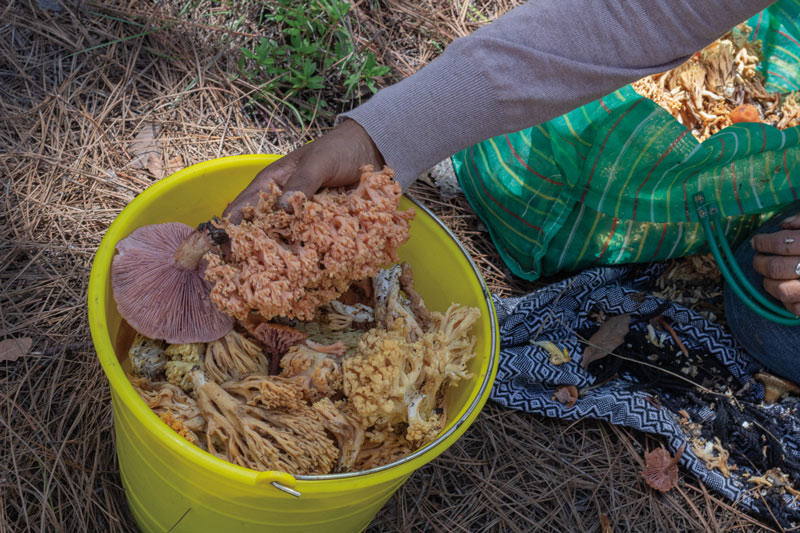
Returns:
(173,405)
(718,59)
(692,78)
(288,440)
(381,378)
(455,324)
(391,381)
(373,454)
(320,373)
(445,362)
(346,427)
(272,392)
(233,356)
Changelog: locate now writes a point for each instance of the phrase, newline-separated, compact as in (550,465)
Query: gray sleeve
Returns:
(538,61)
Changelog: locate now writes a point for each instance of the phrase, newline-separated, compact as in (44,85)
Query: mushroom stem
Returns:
(274,364)
(200,241)
(192,249)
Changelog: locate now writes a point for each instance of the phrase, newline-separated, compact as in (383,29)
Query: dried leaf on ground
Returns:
(175,164)
(146,150)
(661,469)
(566,394)
(13,349)
(606,339)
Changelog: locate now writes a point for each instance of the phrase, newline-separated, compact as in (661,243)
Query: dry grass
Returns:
(75,88)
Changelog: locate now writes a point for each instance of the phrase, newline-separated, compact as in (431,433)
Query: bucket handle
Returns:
(708,214)
(280,480)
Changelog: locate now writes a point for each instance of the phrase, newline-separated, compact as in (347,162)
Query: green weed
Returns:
(308,51)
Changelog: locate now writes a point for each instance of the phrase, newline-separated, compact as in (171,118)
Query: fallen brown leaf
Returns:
(566,394)
(13,349)
(146,150)
(175,164)
(661,469)
(606,339)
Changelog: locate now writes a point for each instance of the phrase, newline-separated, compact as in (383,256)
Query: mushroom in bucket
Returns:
(301,347)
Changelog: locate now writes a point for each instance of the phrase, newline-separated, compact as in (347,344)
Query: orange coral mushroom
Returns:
(289,264)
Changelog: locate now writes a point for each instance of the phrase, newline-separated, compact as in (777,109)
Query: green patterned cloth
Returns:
(612,181)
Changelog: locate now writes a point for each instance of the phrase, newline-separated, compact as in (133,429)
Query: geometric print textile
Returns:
(526,380)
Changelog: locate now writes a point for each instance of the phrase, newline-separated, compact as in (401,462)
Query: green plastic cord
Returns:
(738,280)
(727,253)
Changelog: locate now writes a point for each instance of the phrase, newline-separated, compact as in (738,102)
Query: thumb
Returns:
(307,179)
(278,172)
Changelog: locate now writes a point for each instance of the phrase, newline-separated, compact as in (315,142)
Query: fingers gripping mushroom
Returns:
(157,278)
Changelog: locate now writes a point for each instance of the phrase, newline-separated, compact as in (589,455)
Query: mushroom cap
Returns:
(278,338)
(158,297)
(775,387)
(661,469)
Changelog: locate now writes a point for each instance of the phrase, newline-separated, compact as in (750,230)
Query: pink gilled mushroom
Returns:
(157,278)
(276,339)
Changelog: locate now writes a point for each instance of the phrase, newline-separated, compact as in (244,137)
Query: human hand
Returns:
(778,260)
(332,160)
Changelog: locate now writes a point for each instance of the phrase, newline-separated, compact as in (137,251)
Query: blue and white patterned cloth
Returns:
(526,380)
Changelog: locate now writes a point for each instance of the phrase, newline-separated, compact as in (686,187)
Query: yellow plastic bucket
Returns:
(172,485)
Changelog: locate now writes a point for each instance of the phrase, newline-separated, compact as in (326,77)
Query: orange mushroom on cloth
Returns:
(776,387)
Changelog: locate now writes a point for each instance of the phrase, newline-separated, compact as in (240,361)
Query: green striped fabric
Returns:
(612,181)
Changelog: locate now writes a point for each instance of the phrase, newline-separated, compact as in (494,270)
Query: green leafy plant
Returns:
(308,50)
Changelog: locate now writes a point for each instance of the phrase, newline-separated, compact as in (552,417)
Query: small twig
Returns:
(663,323)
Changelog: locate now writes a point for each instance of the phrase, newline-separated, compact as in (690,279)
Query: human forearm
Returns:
(537,62)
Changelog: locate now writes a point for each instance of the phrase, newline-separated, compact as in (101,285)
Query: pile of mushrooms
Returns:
(719,86)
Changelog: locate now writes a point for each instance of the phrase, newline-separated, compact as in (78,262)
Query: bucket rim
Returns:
(124,391)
